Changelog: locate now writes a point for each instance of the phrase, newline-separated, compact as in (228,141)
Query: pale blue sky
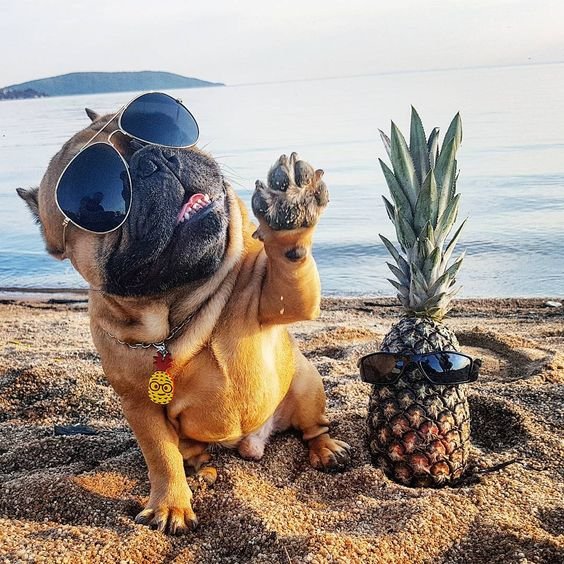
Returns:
(260,40)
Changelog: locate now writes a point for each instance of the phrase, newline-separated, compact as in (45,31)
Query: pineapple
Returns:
(419,432)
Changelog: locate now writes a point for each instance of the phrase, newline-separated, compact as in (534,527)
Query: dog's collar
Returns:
(161,345)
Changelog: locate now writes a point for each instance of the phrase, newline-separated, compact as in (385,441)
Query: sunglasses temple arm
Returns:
(66,221)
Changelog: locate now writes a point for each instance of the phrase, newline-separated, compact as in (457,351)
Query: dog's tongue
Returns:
(194,199)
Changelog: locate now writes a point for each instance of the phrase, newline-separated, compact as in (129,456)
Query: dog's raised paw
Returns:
(329,455)
(168,519)
(294,195)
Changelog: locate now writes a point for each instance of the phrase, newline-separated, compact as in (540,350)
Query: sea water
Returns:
(511,168)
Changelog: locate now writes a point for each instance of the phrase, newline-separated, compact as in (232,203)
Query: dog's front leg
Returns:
(288,208)
(169,508)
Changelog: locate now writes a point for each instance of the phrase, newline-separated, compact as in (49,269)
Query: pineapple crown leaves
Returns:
(423,208)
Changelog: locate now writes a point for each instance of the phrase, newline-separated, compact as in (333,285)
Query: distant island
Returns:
(6,94)
(100,82)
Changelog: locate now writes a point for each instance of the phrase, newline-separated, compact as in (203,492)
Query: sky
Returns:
(263,41)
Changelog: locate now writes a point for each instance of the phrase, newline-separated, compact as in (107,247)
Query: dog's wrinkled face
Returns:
(176,231)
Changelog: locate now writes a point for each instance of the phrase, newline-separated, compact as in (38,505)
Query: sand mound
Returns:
(72,498)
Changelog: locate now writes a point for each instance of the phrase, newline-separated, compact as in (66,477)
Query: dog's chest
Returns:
(222,402)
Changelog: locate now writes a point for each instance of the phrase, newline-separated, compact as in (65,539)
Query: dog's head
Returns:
(160,246)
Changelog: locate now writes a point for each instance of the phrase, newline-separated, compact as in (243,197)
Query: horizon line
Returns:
(392,72)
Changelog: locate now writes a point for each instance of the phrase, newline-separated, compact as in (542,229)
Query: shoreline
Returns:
(11,294)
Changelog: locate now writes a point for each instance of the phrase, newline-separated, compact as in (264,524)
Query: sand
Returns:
(73,498)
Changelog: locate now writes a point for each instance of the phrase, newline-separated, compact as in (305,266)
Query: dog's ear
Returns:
(30,198)
(91,114)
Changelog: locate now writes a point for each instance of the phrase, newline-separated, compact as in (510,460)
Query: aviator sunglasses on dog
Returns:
(441,367)
(94,190)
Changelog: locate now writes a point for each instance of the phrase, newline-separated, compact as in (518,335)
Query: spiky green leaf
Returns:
(454,132)
(404,301)
(417,294)
(452,190)
(402,278)
(391,211)
(418,276)
(450,247)
(418,146)
(387,143)
(402,164)
(430,234)
(427,207)
(447,220)
(404,232)
(433,147)
(434,301)
(446,173)
(398,195)
(403,290)
(401,262)
(425,247)
(431,264)
(444,281)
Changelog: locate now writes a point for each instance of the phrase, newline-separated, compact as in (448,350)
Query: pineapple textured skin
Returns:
(418,432)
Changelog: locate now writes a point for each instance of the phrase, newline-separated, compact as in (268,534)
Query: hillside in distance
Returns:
(101,82)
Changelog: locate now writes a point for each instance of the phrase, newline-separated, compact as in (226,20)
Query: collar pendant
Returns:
(161,383)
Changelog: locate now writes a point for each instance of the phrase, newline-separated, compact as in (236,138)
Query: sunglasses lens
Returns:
(94,191)
(380,368)
(160,119)
(446,368)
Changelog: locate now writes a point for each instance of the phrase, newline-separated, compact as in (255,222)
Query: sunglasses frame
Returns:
(67,219)
(88,144)
(178,101)
(473,369)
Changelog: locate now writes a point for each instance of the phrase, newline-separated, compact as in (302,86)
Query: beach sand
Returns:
(73,498)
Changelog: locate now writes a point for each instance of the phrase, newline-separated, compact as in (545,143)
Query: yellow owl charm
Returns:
(161,388)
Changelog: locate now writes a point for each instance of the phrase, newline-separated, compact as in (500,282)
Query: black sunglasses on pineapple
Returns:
(440,367)
(94,190)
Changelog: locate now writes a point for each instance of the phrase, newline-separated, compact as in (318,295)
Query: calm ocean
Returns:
(511,161)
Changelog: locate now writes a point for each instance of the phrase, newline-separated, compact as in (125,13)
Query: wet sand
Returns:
(73,498)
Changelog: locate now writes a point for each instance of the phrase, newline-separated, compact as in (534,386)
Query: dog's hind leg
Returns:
(304,408)
(195,456)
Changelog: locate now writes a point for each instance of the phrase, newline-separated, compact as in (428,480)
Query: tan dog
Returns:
(238,375)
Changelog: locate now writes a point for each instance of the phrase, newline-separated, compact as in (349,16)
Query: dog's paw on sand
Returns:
(174,520)
(329,455)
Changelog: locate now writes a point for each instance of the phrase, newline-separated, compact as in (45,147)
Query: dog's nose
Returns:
(150,158)
(146,167)
(172,158)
